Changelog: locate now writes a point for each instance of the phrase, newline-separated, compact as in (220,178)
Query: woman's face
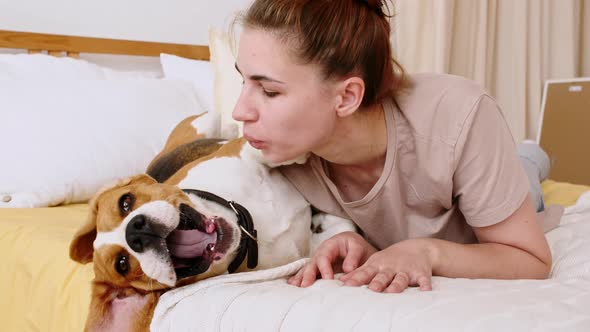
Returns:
(287,108)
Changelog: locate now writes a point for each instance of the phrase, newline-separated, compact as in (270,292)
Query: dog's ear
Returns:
(138,179)
(82,246)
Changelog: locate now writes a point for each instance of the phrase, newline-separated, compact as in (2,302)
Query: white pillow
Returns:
(42,66)
(199,72)
(227,82)
(62,140)
(222,85)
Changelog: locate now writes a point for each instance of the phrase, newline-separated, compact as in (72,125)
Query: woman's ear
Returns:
(351,93)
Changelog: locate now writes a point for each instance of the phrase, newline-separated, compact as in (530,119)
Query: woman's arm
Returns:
(514,248)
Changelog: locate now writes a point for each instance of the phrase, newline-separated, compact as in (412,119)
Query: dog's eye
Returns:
(122,264)
(126,203)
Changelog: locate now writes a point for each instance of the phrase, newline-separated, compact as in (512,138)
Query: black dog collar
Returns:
(248,241)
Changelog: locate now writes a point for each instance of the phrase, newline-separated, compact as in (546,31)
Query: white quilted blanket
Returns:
(263,301)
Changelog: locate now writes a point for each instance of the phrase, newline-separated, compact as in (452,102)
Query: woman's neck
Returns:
(356,159)
(359,140)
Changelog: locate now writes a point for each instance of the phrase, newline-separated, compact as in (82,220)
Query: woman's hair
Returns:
(343,37)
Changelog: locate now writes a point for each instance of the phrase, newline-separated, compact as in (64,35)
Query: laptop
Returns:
(564,129)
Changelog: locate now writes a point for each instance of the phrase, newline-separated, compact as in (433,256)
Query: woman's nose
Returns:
(244,110)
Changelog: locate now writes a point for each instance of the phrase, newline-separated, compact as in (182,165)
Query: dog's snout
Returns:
(139,234)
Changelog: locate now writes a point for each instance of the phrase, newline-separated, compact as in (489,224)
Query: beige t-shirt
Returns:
(451,164)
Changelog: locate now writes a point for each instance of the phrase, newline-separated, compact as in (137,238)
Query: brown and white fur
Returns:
(130,277)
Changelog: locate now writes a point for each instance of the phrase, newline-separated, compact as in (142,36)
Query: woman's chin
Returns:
(273,160)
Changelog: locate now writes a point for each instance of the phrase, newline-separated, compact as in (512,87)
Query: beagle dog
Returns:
(205,207)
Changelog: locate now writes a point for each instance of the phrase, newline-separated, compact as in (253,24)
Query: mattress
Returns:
(263,301)
(562,193)
(43,290)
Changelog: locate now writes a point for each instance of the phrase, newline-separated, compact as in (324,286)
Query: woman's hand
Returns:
(348,247)
(392,270)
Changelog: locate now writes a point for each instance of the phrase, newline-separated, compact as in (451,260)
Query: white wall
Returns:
(173,21)
(177,21)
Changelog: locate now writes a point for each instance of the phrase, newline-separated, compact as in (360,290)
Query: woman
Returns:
(424,165)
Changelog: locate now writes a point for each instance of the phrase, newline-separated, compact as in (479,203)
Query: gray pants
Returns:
(536,165)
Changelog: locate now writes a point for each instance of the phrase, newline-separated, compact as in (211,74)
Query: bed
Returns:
(42,290)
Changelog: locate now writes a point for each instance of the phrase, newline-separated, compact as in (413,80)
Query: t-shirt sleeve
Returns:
(489,182)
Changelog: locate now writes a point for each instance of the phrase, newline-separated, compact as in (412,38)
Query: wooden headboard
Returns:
(72,46)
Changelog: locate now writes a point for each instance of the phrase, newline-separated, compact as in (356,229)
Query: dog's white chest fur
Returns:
(281,215)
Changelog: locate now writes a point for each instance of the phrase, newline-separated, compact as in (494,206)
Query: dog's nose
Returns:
(138,222)
(139,234)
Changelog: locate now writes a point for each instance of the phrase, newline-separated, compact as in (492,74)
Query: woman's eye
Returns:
(122,264)
(270,93)
(126,203)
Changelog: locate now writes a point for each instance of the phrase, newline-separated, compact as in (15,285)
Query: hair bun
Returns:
(373,4)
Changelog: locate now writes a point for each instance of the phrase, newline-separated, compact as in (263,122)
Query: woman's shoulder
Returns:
(437,105)
(435,86)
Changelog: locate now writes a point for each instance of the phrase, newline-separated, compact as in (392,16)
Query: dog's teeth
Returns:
(210,226)
(210,247)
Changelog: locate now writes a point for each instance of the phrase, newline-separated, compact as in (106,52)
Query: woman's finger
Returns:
(310,274)
(361,276)
(381,281)
(425,283)
(399,284)
(352,257)
(295,279)
(324,265)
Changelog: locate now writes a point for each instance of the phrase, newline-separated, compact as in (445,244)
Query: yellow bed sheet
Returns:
(41,289)
(562,193)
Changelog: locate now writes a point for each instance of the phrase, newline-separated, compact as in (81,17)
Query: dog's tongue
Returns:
(189,243)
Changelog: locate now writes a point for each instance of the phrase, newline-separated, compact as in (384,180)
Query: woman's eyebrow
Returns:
(259,77)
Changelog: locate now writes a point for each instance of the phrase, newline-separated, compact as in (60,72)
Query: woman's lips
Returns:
(257,144)
(254,142)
